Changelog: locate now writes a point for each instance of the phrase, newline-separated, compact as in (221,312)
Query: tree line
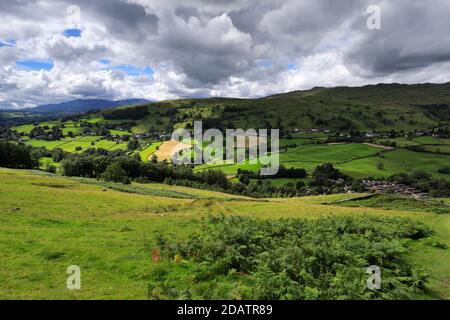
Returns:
(17,156)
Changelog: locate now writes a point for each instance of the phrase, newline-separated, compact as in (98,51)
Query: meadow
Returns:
(111,233)
(397,161)
(356,160)
(84,142)
(150,150)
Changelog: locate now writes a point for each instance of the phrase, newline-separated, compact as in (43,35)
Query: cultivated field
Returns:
(356,160)
(169,148)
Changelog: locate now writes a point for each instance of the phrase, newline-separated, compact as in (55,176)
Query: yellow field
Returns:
(169,148)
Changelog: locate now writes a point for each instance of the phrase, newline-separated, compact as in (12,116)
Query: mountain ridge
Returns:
(373,107)
(79,106)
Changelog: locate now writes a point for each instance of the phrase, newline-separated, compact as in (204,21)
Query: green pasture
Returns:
(416,141)
(397,161)
(356,160)
(438,148)
(25,129)
(428,140)
(147,152)
(71,144)
(50,223)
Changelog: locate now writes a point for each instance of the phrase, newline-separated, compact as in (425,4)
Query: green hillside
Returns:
(379,107)
(111,232)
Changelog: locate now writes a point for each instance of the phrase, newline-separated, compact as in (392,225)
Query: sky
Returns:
(56,50)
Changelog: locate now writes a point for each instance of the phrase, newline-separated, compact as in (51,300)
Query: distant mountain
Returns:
(81,106)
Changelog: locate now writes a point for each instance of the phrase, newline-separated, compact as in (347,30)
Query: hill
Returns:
(81,106)
(111,235)
(377,107)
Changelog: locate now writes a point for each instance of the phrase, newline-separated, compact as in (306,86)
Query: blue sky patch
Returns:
(292,66)
(105,61)
(7,43)
(133,70)
(265,63)
(69,33)
(35,65)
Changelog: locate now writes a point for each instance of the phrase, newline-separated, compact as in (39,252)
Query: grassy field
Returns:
(417,141)
(49,223)
(312,155)
(438,148)
(230,169)
(395,162)
(307,157)
(147,152)
(45,162)
(356,160)
(68,126)
(71,144)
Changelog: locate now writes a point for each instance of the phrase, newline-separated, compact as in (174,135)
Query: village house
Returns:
(387,187)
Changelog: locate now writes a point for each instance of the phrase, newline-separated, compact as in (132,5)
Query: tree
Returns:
(17,156)
(133,145)
(51,168)
(58,155)
(380,166)
(115,173)
(300,185)
(36,132)
(57,132)
(444,170)
(322,174)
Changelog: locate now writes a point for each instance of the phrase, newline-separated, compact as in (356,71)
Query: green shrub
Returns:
(115,173)
(293,259)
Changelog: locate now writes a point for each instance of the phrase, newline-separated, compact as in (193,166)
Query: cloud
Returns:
(158,49)
(414,35)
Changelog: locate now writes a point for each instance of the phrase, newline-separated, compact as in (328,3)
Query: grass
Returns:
(393,202)
(317,154)
(119,146)
(120,132)
(400,142)
(438,148)
(25,129)
(147,152)
(105,144)
(395,162)
(356,160)
(417,141)
(50,145)
(45,162)
(85,142)
(378,107)
(230,169)
(49,223)
(427,140)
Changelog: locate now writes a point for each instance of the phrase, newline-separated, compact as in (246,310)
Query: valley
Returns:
(105,196)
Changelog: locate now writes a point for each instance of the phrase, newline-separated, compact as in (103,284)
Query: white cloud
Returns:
(202,48)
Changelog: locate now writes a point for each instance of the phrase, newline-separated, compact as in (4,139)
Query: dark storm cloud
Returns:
(414,34)
(125,20)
